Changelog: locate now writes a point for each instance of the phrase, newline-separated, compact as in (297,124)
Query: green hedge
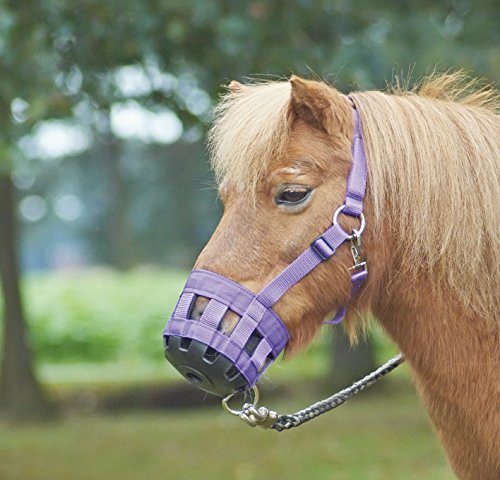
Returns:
(100,314)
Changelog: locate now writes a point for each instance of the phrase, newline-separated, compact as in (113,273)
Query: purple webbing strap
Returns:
(355,193)
(322,248)
(356,182)
(357,281)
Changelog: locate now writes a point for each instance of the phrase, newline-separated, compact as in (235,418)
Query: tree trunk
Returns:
(350,362)
(21,398)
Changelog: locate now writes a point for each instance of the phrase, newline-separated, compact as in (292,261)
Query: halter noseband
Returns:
(222,363)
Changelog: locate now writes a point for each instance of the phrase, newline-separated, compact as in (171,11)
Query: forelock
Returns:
(251,129)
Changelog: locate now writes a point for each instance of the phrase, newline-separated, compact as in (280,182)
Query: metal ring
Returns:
(232,411)
(355,232)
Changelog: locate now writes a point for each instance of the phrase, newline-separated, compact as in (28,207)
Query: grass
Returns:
(375,437)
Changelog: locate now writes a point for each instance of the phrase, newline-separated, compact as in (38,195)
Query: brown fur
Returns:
(432,237)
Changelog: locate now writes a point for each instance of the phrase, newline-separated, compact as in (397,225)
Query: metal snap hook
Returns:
(250,414)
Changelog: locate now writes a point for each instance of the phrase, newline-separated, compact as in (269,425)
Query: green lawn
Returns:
(375,437)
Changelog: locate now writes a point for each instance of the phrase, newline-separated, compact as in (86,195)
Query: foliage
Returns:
(214,40)
(75,50)
(178,53)
(100,315)
(374,437)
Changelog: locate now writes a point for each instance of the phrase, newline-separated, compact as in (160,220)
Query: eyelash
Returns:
(303,195)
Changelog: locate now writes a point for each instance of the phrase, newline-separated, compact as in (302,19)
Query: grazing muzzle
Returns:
(217,362)
(222,361)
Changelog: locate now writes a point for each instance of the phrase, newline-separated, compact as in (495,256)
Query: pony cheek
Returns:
(301,322)
(329,288)
(304,308)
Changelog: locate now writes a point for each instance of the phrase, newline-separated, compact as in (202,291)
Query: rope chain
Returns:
(285,422)
(265,418)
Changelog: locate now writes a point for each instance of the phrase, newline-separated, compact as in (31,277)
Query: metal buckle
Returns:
(362,265)
(356,246)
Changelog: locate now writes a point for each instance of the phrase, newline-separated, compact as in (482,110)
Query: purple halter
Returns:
(222,363)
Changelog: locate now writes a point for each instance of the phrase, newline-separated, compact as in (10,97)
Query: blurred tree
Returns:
(24,50)
(349,362)
(20,395)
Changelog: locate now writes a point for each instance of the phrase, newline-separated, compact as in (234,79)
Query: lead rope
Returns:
(265,418)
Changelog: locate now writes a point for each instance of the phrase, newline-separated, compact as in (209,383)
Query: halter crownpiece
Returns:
(224,362)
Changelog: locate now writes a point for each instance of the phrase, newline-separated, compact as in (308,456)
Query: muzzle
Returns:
(215,361)
(223,362)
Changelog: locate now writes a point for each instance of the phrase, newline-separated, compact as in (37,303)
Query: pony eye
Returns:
(292,195)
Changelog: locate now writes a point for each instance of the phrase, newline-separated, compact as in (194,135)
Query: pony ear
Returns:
(320,105)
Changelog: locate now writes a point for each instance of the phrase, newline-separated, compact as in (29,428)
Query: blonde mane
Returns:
(434,163)
(434,166)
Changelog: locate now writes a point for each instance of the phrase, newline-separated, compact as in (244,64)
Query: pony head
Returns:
(282,153)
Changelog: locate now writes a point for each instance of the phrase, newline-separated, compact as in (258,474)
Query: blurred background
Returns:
(106,199)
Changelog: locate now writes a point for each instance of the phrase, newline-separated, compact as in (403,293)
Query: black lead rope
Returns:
(265,418)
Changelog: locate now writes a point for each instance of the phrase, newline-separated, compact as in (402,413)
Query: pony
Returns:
(281,152)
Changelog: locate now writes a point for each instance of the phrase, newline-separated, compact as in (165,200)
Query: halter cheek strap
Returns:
(356,181)
(353,206)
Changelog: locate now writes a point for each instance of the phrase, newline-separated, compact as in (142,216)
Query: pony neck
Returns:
(454,354)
